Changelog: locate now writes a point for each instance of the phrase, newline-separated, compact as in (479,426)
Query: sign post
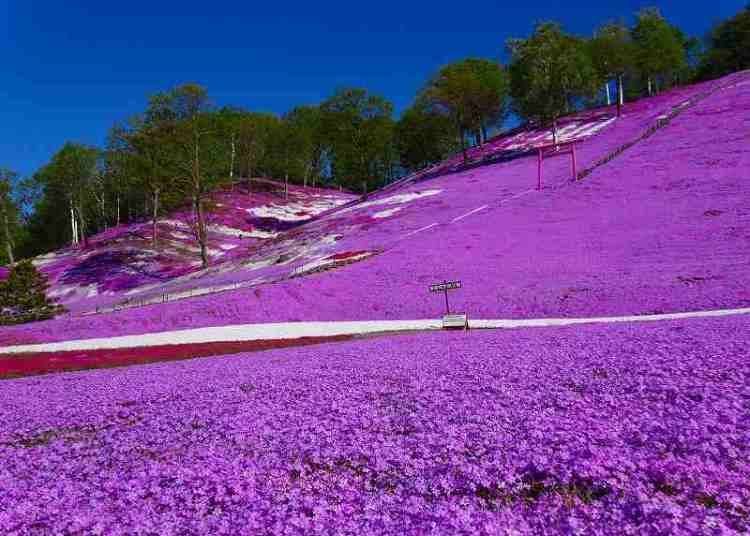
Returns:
(459,320)
(444,287)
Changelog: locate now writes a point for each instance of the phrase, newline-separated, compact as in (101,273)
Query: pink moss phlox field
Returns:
(119,262)
(661,228)
(626,429)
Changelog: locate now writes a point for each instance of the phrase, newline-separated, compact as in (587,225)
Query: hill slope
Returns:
(122,262)
(623,241)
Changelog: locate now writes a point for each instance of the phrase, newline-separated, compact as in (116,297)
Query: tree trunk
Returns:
(484,132)
(620,96)
(202,232)
(554,132)
(154,217)
(117,210)
(650,92)
(103,211)
(73,226)
(81,226)
(609,97)
(463,144)
(6,228)
(198,202)
(231,163)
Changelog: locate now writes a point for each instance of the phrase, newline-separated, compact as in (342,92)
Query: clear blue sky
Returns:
(70,68)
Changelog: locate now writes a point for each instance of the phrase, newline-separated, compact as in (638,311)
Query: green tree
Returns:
(472,93)
(359,129)
(612,52)
(199,152)
(69,177)
(295,146)
(305,129)
(728,47)
(23,296)
(253,140)
(122,180)
(424,137)
(146,151)
(9,212)
(550,71)
(659,49)
(230,120)
(282,150)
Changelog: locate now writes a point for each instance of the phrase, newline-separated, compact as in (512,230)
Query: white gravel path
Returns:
(295,330)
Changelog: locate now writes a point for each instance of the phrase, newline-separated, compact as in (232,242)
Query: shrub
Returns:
(23,296)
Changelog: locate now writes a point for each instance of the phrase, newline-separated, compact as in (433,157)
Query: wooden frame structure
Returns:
(556,149)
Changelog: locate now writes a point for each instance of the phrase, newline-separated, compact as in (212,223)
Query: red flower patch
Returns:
(31,364)
(348,255)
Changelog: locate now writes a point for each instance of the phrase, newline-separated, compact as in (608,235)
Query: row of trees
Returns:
(182,147)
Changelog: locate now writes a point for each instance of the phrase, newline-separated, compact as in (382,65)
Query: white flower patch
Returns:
(44,260)
(257,233)
(312,265)
(181,248)
(231,231)
(175,223)
(398,199)
(292,251)
(84,291)
(59,291)
(323,262)
(387,213)
(590,129)
(257,265)
(50,256)
(573,131)
(290,211)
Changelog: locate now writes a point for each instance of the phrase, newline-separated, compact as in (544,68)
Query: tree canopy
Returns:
(472,93)
(424,137)
(549,71)
(728,47)
(659,49)
(359,130)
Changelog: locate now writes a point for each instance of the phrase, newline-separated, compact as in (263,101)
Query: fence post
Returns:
(539,170)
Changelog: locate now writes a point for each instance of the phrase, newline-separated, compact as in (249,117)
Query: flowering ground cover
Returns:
(664,227)
(122,261)
(35,363)
(628,429)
